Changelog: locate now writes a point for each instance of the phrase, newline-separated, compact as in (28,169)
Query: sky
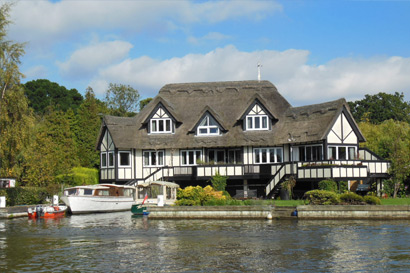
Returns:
(313,51)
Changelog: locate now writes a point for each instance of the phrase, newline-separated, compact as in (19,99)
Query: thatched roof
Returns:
(227,102)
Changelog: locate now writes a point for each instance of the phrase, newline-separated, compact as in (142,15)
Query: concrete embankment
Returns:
(13,212)
(224,212)
(268,212)
(353,212)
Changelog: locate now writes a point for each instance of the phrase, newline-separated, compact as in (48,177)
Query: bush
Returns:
(25,196)
(321,197)
(351,198)
(219,182)
(79,176)
(328,185)
(372,200)
(198,196)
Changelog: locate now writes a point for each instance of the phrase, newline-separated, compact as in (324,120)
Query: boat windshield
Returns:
(88,192)
(70,192)
(129,192)
(103,192)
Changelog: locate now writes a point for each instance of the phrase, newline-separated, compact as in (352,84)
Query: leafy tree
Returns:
(10,53)
(43,93)
(391,140)
(16,124)
(87,129)
(52,151)
(380,107)
(144,103)
(15,116)
(122,100)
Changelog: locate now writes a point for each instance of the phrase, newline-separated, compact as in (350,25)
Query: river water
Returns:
(117,242)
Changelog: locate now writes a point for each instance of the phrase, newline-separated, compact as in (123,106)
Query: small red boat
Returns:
(47,212)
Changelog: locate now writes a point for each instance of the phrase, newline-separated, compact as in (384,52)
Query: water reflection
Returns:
(117,242)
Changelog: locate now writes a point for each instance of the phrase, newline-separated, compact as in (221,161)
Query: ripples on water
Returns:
(117,242)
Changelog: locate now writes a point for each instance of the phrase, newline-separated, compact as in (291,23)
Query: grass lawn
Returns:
(395,201)
(288,203)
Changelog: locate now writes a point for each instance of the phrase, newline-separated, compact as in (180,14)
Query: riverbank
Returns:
(260,212)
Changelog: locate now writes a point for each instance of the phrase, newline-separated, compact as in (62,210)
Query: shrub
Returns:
(321,197)
(24,196)
(328,185)
(79,176)
(351,198)
(198,196)
(219,182)
(372,200)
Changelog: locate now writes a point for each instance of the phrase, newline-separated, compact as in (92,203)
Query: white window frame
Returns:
(347,152)
(258,154)
(157,121)
(103,155)
(108,160)
(159,156)
(186,156)
(250,126)
(119,158)
(208,129)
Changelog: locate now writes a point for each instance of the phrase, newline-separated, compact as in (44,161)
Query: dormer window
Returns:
(208,127)
(257,119)
(161,122)
(161,125)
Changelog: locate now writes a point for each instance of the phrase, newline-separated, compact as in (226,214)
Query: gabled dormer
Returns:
(208,124)
(161,121)
(257,117)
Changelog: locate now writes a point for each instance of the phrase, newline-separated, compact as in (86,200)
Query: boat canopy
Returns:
(160,183)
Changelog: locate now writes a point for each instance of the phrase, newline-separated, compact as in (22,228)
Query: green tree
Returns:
(122,100)
(88,126)
(144,103)
(10,53)
(16,124)
(43,93)
(380,107)
(52,151)
(15,116)
(391,140)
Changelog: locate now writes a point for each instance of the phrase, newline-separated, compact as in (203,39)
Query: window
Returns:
(257,122)
(161,125)
(124,159)
(111,159)
(310,153)
(208,127)
(235,156)
(153,158)
(103,160)
(216,156)
(190,157)
(341,152)
(267,155)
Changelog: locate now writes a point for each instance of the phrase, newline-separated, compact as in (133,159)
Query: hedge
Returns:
(25,196)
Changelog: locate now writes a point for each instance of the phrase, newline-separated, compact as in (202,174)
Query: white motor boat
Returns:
(99,198)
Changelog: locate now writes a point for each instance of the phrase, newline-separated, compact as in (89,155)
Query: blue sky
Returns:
(313,51)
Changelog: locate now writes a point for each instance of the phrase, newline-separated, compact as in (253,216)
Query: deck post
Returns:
(245,188)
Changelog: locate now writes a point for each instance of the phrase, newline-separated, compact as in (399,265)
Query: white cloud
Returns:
(38,72)
(212,36)
(42,22)
(297,81)
(85,62)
